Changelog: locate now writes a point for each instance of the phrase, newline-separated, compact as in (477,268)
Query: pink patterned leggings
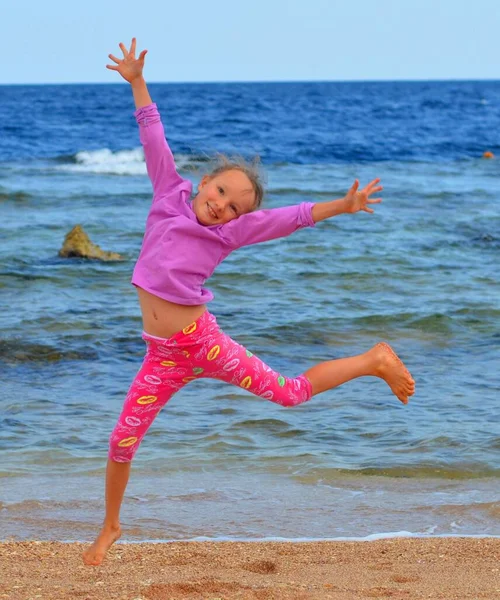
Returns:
(199,350)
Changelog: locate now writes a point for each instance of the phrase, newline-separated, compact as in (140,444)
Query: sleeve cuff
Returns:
(305,215)
(146,115)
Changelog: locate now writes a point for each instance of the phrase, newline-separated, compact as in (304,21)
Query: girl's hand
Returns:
(356,200)
(129,67)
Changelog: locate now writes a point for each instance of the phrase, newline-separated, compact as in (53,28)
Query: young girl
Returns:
(184,241)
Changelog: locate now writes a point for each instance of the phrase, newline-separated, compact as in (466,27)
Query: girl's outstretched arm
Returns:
(159,158)
(267,224)
(354,201)
(270,224)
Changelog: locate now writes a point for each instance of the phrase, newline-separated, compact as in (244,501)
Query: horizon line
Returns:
(259,81)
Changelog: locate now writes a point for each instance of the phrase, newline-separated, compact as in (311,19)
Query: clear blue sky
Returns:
(56,41)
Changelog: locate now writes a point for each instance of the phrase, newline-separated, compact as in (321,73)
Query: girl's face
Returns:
(223,197)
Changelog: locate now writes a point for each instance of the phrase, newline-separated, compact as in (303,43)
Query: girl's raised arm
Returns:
(159,158)
(130,68)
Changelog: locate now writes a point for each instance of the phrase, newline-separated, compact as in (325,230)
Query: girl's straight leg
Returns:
(117,475)
(153,386)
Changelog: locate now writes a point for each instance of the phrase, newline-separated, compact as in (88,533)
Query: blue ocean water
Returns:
(422,273)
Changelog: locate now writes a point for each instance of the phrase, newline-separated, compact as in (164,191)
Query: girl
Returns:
(184,241)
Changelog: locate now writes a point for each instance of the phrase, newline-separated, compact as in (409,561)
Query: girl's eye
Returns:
(221,191)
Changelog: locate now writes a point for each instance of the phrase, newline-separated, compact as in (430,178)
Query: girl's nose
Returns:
(217,206)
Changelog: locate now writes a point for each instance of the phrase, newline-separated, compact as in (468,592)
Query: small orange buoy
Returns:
(488,154)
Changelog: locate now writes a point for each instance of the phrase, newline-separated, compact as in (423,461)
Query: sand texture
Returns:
(398,568)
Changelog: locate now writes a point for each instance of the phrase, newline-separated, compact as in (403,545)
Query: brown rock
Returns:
(77,244)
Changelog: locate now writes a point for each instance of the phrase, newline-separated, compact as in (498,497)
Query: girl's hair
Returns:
(249,168)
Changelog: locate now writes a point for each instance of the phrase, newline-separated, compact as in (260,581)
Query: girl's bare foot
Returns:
(392,370)
(106,538)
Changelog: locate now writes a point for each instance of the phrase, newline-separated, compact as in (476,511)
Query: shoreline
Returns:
(375,537)
(304,540)
(451,568)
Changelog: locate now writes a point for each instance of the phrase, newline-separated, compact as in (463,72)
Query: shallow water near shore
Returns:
(422,273)
(226,505)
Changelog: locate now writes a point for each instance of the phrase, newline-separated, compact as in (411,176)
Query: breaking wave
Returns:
(121,162)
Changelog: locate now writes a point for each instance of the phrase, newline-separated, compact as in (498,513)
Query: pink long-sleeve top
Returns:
(178,253)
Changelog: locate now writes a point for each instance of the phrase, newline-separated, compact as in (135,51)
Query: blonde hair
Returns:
(249,168)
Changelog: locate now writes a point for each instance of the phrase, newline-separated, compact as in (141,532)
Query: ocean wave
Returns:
(25,276)
(18,196)
(461,511)
(330,476)
(130,162)
(303,192)
(121,162)
(20,351)
(32,505)
(105,161)
(275,427)
(312,331)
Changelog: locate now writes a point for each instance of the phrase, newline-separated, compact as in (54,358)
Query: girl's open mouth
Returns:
(211,211)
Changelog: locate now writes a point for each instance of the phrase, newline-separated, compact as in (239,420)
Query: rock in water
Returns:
(78,244)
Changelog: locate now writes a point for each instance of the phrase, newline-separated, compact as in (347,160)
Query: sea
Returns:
(422,273)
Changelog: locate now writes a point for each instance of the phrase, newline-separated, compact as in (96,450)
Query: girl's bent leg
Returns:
(225,359)
(381,361)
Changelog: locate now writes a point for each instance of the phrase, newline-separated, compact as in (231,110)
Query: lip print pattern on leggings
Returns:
(200,350)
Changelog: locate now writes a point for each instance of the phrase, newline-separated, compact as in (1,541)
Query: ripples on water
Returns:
(421,273)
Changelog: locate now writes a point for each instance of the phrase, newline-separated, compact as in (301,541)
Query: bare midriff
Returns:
(162,318)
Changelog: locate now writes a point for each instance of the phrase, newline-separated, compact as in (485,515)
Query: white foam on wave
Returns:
(369,538)
(105,161)
(121,162)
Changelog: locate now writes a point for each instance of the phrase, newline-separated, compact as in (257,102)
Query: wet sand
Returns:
(397,568)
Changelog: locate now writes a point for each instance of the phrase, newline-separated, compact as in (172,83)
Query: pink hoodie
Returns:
(178,253)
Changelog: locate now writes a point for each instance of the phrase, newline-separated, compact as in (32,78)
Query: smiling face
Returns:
(223,197)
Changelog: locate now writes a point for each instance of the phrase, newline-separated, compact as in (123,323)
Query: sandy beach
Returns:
(447,568)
